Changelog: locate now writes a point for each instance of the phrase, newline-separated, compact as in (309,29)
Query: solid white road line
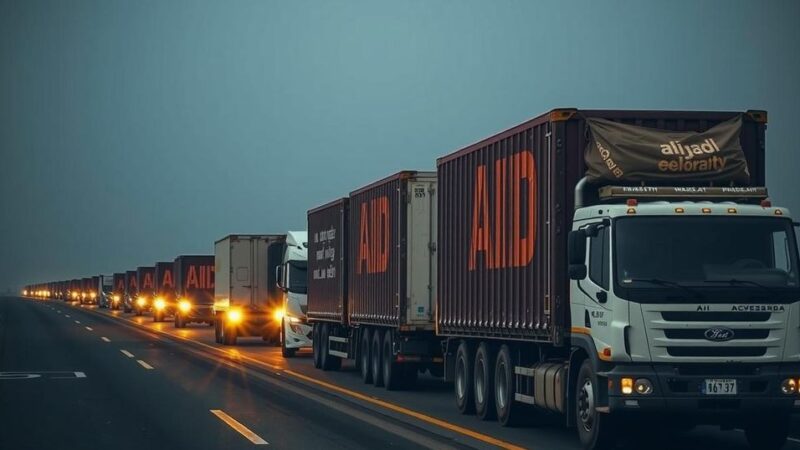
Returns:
(105,339)
(236,425)
(144,364)
(89,328)
(127,353)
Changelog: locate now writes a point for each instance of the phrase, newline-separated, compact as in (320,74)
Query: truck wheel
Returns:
(157,316)
(377,358)
(180,322)
(228,334)
(595,430)
(463,379)
(508,412)
(768,433)
(365,355)
(217,331)
(392,371)
(483,380)
(286,352)
(315,346)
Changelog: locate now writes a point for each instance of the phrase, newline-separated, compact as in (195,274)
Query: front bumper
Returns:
(199,313)
(298,335)
(678,388)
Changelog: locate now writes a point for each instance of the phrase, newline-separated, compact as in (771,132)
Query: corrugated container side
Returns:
(131,285)
(519,288)
(165,279)
(119,283)
(222,271)
(327,257)
(195,277)
(145,280)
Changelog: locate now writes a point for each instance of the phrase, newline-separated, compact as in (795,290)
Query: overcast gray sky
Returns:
(133,131)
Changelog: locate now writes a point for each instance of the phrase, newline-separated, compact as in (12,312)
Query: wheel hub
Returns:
(586,405)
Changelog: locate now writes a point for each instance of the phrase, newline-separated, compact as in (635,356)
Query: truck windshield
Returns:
(684,255)
(297,276)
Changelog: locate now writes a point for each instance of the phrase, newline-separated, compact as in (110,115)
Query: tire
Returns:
(483,382)
(508,412)
(158,316)
(768,433)
(323,349)
(595,430)
(217,331)
(315,346)
(377,358)
(228,334)
(180,322)
(365,356)
(392,372)
(462,385)
(286,352)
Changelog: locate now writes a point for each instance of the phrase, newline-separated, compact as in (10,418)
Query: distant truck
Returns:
(372,280)
(291,276)
(610,267)
(118,292)
(88,291)
(248,300)
(194,294)
(145,280)
(131,290)
(164,302)
(104,290)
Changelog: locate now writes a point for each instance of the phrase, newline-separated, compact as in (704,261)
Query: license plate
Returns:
(717,386)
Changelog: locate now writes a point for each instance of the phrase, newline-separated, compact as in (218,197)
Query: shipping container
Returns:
(327,262)
(164,286)
(517,188)
(246,296)
(118,291)
(194,281)
(391,266)
(131,290)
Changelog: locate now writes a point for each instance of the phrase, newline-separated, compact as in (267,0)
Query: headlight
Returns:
(643,386)
(789,386)
(141,301)
(160,304)
(294,320)
(185,306)
(92,295)
(626,385)
(116,298)
(235,316)
(278,315)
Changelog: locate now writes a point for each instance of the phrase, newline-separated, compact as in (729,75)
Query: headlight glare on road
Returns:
(626,384)
(185,306)
(159,303)
(234,316)
(789,386)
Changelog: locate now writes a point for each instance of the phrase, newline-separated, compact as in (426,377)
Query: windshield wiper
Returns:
(735,281)
(666,283)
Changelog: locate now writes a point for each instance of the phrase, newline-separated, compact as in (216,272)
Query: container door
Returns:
(421,254)
(241,280)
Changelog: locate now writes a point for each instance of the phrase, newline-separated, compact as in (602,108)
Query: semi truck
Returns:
(614,268)
(291,276)
(248,299)
(372,280)
(194,282)
(104,291)
(164,301)
(131,290)
(118,292)
(145,280)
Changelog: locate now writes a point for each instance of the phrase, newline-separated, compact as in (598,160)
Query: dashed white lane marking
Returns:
(66,315)
(78,322)
(236,425)
(89,328)
(144,364)
(793,439)
(105,339)
(80,375)
(127,353)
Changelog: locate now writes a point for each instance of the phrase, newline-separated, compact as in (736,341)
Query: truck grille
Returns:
(715,316)
(688,333)
(716,351)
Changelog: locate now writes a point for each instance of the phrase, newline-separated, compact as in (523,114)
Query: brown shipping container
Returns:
(327,257)
(380,288)
(164,280)
(119,283)
(195,278)
(131,287)
(517,188)
(145,280)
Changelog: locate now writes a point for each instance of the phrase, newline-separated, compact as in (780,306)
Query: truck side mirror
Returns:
(279,278)
(576,252)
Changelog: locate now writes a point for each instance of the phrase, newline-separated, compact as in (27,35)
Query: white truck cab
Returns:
(690,306)
(291,276)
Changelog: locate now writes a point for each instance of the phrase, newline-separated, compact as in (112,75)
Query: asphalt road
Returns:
(119,402)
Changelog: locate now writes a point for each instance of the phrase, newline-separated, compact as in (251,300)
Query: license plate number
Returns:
(716,386)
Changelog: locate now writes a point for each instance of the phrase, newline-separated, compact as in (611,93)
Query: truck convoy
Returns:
(164,302)
(248,299)
(194,281)
(607,266)
(118,292)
